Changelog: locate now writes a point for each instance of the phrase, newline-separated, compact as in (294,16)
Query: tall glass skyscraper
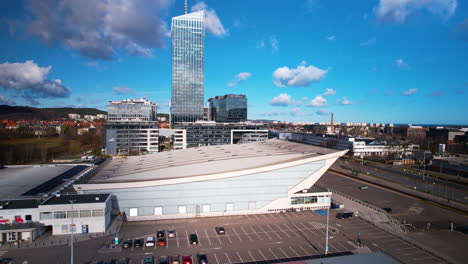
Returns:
(188,44)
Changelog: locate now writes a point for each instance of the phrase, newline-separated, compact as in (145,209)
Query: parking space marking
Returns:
(207,236)
(177,238)
(256,217)
(294,251)
(274,232)
(261,253)
(167,243)
(217,235)
(289,228)
(306,252)
(253,259)
(255,233)
(273,253)
(242,261)
(216,258)
(240,240)
(286,255)
(225,253)
(199,239)
(245,232)
(265,232)
(186,235)
(282,230)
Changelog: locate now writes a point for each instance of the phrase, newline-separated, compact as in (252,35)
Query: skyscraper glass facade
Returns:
(188,37)
(228,108)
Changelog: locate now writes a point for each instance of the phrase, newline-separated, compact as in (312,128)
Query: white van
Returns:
(150,241)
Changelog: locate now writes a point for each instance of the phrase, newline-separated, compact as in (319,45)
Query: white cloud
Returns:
(240,78)
(260,44)
(212,22)
(99,29)
(122,90)
(31,81)
(401,64)
(329,91)
(398,10)
(368,42)
(274,42)
(323,112)
(6,101)
(281,100)
(272,113)
(344,101)
(318,101)
(330,38)
(409,92)
(300,77)
(297,112)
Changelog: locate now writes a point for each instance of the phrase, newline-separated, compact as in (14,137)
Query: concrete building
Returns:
(18,220)
(132,127)
(228,108)
(363,149)
(212,133)
(177,137)
(261,177)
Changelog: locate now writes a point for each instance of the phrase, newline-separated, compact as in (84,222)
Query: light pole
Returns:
(72,228)
(424,164)
(328,216)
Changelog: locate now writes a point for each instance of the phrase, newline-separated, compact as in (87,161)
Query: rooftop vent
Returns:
(97,198)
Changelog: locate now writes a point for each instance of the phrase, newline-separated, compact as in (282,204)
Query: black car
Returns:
(202,259)
(127,243)
(387,209)
(6,261)
(139,242)
(160,233)
(220,230)
(163,260)
(193,238)
(344,215)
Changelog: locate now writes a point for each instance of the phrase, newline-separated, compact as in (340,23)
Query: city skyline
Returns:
(370,61)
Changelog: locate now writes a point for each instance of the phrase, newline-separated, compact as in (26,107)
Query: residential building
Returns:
(188,37)
(132,127)
(228,108)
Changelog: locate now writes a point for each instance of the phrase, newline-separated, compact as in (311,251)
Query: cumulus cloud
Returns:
(260,44)
(99,29)
(402,64)
(297,112)
(30,81)
(409,92)
(330,91)
(6,101)
(398,10)
(212,22)
(318,101)
(323,112)
(299,77)
(122,90)
(330,38)
(281,100)
(274,42)
(368,42)
(240,78)
(344,101)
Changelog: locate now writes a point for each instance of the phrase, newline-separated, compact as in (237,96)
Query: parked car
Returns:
(114,261)
(127,243)
(187,260)
(364,187)
(148,260)
(202,259)
(150,241)
(161,241)
(98,262)
(220,230)
(193,238)
(160,233)
(175,259)
(387,209)
(344,215)
(171,233)
(123,261)
(163,260)
(6,261)
(138,242)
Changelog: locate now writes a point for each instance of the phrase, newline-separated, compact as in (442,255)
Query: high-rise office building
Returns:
(228,108)
(188,37)
(132,127)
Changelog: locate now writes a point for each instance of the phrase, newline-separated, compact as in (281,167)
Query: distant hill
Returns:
(34,113)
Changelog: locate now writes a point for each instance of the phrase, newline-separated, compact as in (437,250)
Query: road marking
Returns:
(256,217)
(263,231)
(216,258)
(245,232)
(217,235)
(256,233)
(199,238)
(274,232)
(274,255)
(3,252)
(240,240)
(294,251)
(167,242)
(177,237)
(264,258)
(188,240)
(227,256)
(253,259)
(207,236)
(282,230)
(242,261)
(307,252)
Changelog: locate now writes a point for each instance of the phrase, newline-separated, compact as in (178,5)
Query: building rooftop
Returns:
(19,204)
(206,161)
(77,199)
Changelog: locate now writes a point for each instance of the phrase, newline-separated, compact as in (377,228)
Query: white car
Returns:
(171,233)
(150,241)
(364,187)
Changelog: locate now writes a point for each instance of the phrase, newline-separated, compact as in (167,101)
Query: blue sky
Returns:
(387,61)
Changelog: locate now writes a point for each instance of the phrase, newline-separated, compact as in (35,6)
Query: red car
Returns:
(161,241)
(187,260)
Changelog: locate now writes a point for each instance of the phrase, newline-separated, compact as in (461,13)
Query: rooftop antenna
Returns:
(185,7)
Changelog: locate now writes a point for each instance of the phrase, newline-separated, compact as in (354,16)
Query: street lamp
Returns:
(328,216)
(72,229)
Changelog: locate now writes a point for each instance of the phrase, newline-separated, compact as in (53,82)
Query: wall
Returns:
(11,213)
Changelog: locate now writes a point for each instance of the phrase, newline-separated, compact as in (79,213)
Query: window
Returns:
(60,215)
(45,215)
(133,211)
(11,236)
(76,214)
(206,208)
(98,212)
(158,211)
(297,200)
(229,207)
(85,213)
(182,209)
(64,228)
(28,217)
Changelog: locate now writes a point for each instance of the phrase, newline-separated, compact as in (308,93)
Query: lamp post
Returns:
(72,228)
(328,216)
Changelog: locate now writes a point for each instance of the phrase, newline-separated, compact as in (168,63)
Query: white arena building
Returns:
(260,177)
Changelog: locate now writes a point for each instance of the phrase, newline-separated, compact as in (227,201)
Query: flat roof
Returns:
(16,180)
(77,199)
(19,204)
(205,161)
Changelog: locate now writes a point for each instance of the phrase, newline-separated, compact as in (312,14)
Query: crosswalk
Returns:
(2,252)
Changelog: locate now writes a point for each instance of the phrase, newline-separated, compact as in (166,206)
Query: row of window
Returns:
(68,214)
(205,208)
(306,199)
